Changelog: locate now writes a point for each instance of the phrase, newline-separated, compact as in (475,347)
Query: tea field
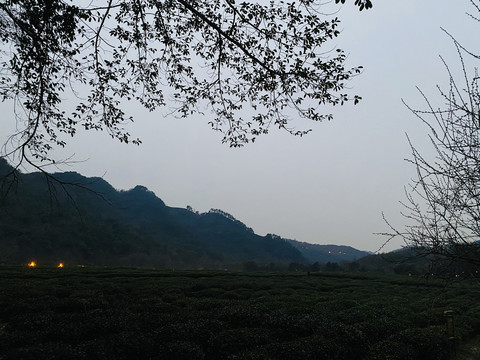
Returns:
(116,313)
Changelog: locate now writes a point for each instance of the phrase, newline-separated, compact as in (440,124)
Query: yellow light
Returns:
(32,264)
(60,265)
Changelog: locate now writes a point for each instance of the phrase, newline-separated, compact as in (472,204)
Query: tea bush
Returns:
(133,313)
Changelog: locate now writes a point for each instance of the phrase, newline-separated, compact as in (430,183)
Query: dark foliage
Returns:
(269,57)
(362,4)
(86,313)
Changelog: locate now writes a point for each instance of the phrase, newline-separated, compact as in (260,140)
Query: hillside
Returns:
(420,261)
(328,253)
(86,221)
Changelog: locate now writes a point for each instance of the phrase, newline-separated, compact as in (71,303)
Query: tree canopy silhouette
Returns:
(68,65)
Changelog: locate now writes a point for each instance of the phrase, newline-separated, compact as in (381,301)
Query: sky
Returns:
(329,187)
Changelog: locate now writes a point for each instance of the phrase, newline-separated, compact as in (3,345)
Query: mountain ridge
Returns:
(85,220)
(328,252)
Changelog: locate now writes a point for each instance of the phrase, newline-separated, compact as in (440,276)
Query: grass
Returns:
(85,313)
(469,350)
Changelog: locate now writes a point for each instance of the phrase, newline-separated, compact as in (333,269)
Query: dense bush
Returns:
(426,344)
(126,313)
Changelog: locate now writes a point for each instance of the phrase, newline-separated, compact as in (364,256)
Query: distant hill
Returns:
(420,261)
(82,220)
(401,261)
(86,221)
(328,253)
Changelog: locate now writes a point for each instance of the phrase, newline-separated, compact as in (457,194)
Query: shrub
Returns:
(418,343)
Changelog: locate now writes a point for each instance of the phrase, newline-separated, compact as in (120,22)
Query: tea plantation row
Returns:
(86,313)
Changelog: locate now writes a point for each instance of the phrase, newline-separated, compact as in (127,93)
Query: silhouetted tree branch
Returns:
(442,206)
(223,55)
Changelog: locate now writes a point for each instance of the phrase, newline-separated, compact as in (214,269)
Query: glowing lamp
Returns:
(32,264)
(60,265)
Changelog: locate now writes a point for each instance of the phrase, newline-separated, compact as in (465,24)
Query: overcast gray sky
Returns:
(329,187)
